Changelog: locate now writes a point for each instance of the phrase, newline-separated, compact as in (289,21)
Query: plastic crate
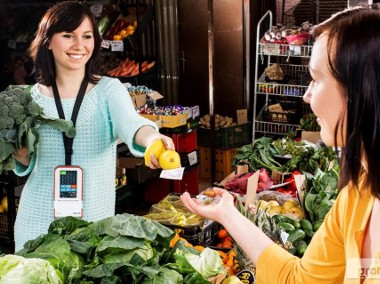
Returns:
(228,137)
(188,183)
(197,235)
(185,142)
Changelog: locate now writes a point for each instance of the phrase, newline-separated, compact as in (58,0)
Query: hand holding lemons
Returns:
(168,159)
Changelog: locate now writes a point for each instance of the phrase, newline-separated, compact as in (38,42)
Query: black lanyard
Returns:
(68,142)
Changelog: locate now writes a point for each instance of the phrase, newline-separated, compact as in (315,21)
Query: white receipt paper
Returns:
(175,174)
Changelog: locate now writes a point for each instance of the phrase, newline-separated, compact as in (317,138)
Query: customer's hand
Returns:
(213,211)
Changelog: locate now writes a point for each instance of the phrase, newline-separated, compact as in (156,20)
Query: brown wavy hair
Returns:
(62,17)
(354,60)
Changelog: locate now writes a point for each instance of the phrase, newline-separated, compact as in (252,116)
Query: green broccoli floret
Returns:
(8,101)
(3,123)
(34,109)
(4,110)
(10,122)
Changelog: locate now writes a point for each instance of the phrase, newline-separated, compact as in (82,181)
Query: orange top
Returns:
(333,255)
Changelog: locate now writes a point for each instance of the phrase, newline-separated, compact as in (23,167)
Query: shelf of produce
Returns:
(278,49)
(295,82)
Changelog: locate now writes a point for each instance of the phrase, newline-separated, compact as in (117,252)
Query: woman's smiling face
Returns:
(325,95)
(72,50)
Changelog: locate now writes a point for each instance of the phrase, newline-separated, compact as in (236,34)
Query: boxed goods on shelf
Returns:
(223,162)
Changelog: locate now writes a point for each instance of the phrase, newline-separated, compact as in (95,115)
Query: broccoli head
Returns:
(34,109)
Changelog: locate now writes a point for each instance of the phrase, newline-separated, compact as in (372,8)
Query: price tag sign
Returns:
(96,10)
(294,49)
(193,158)
(12,44)
(271,49)
(117,45)
(105,44)
(196,111)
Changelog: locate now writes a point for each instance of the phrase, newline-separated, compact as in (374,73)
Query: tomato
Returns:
(222,234)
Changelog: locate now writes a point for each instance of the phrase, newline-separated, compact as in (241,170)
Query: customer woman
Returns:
(345,96)
(65,52)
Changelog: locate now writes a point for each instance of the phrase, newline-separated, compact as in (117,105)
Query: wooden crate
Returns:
(223,163)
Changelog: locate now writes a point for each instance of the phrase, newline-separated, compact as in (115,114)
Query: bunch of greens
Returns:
(285,155)
(309,122)
(120,249)
(259,154)
(20,118)
(322,190)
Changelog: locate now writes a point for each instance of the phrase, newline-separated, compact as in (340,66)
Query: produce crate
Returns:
(197,235)
(185,142)
(188,183)
(228,137)
(4,230)
(223,162)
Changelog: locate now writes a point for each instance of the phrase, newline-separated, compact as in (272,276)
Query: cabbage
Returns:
(207,263)
(17,269)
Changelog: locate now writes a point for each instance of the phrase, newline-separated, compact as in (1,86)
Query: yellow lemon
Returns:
(169,159)
(156,148)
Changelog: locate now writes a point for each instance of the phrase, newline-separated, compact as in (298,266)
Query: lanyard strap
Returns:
(68,142)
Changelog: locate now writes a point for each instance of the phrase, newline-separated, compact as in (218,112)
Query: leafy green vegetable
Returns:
(20,118)
(120,249)
(322,190)
(207,263)
(17,269)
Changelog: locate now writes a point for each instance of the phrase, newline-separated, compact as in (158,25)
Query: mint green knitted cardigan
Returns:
(106,113)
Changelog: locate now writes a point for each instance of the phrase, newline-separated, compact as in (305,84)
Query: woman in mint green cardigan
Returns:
(65,52)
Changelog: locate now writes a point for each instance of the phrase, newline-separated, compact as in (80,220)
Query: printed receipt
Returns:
(175,174)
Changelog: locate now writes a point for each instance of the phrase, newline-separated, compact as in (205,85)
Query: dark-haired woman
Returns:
(345,96)
(65,52)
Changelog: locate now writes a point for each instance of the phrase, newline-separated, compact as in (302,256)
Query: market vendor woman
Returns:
(345,96)
(65,52)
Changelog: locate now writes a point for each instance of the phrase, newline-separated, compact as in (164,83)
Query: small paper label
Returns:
(193,158)
(175,174)
(117,45)
(271,49)
(105,44)
(196,111)
(294,49)
(241,116)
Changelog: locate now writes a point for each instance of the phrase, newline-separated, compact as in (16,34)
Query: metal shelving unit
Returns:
(288,91)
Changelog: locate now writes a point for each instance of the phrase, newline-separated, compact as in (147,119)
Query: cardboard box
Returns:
(151,117)
(172,121)
(311,136)
(139,100)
